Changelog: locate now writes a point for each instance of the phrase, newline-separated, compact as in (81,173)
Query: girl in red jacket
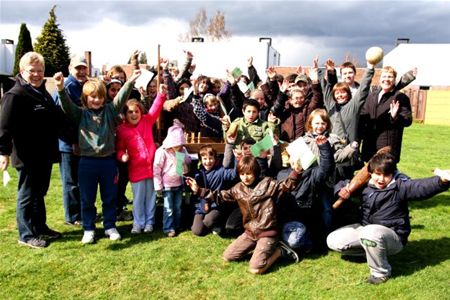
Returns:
(136,146)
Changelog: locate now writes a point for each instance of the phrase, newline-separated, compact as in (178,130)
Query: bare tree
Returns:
(212,30)
(216,27)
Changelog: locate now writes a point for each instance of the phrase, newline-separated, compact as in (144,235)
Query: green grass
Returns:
(189,267)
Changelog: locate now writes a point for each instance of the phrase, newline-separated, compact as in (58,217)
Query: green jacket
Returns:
(256,130)
(96,129)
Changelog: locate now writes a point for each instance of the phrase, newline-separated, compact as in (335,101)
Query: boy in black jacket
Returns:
(385,223)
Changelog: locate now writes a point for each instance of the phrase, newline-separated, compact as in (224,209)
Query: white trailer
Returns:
(214,58)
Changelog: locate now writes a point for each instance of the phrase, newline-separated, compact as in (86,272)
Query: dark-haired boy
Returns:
(385,226)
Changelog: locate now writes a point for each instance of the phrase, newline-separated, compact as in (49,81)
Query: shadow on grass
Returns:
(420,254)
(438,200)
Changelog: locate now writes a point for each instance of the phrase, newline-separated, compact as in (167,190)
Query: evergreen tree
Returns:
(52,45)
(143,58)
(24,45)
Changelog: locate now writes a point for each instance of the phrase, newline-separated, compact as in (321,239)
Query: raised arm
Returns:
(69,108)
(124,92)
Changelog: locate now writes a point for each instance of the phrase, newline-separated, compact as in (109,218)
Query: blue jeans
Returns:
(94,171)
(71,193)
(172,209)
(296,236)
(144,202)
(32,188)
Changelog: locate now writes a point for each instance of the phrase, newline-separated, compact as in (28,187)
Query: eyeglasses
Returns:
(35,72)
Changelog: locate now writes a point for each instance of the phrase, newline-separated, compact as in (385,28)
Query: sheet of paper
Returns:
(144,79)
(187,92)
(263,145)
(180,161)
(236,72)
(298,150)
(243,87)
(6,177)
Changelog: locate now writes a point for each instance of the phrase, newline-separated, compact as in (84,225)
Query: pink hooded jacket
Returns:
(164,166)
(138,141)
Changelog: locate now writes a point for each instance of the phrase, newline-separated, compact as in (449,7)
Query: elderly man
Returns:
(68,146)
(29,124)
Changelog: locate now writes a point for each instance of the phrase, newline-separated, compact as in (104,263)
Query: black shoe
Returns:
(50,234)
(377,280)
(288,252)
(34,243)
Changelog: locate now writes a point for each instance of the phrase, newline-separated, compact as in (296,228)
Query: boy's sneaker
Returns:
(287,251)
(171,233)
(88,237)
(377,280)
(34,243)
(51,234)
(217,231)
(136,229)
(113,234)
(148,228)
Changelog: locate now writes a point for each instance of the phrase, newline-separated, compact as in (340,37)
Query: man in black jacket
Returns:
(29,124)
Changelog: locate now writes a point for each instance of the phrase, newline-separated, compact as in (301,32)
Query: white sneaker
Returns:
(113,234)
(136,229)
(148,228)
(88,237)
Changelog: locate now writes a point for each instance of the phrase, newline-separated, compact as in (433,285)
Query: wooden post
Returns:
(158,121)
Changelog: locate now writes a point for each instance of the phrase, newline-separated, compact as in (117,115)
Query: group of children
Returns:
(284,209)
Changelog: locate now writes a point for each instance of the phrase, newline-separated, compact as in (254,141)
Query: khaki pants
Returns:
(263,249)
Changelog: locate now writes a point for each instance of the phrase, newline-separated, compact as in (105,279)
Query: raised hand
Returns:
(230,78)
(189,54)
(59,80)
(329,65)
(395,106)
(163,89)
(271,72)
(314,71)
(250,61)
(164,63)
(135,75)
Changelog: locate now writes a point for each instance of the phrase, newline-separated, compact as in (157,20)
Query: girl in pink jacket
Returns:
(171,162)
(135,145)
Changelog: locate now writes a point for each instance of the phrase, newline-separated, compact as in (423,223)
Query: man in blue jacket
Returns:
(68,147)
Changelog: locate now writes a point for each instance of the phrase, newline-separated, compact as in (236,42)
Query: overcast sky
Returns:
(299,29)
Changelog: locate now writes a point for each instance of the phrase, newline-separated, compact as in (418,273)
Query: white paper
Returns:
(6,178)
(243,87)
(187,92)
(442,173)
(298,150)
(144,79)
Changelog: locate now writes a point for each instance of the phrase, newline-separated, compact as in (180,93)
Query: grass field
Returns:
(188,267)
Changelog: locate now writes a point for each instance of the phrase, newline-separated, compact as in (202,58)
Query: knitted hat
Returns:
(175,135)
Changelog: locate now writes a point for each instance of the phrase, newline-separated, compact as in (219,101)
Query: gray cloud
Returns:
(343,26)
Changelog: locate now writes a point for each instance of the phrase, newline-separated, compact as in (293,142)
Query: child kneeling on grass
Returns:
(256,199)
(385,223)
